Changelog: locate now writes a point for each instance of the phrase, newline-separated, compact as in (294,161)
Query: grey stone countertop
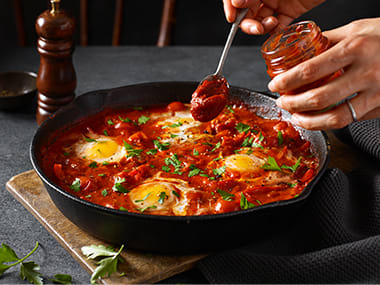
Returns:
(99,68)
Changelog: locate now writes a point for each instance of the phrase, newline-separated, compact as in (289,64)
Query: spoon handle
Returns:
(241,14)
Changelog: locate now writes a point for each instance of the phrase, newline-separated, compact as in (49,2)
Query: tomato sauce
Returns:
(209,99)
(234,162)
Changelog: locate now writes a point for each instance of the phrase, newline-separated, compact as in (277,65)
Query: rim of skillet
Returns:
(32,152)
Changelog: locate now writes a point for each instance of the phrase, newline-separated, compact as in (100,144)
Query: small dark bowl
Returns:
(21,86)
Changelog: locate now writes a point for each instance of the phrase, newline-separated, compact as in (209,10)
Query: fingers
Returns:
(366,106)
(326,95)
(229,11)
(313,69)
(245,3)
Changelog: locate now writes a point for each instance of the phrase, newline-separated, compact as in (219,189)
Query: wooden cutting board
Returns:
(139,267)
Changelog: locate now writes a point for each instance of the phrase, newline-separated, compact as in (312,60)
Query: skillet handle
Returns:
(269,94)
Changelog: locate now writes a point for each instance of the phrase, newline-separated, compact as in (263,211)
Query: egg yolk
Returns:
(152,194)
(243,163)
(101,150)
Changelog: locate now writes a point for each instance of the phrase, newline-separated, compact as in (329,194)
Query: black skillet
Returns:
(170,234)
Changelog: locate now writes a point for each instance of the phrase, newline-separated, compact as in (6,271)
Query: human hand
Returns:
(260,18)
(356,50)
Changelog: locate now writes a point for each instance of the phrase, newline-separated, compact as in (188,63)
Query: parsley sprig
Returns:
(294,167)
(173,160)
(271,164)
(117,187)
(131,151)
(225,195)
(161,146)
(245,204)
(108,262)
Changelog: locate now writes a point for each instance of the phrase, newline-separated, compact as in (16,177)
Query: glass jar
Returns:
(293,45)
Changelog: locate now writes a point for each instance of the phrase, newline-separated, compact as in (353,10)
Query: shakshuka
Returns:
(158,160)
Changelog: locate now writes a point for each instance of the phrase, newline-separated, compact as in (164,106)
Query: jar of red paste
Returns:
(293,45)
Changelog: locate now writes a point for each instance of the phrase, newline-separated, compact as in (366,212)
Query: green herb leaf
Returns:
(7,254)
(280,138)
(261,137)
(195,152)
(62,279)
(176,125)
(194,171)
(216,146)
(162,197)
(247,141)
(166,168)
(106,134)
(257,145)
(109,122)
(207,143)
(245,204)
(242,127)
(105,163)
(271,164)
(123,209)
(204,175)
(93,164)
(104,192)
(89,140)
(292,185)
(225,195)
(131,151)
(143,199)
(152,151)
(117,187)
(230,109)
(294,167)
(173,136)
(66,153)
(126,120)
(101,174)
(219,171)
(175,193)
(29,271)
(108,264)
(173,160)
(146,208)
(143,120)
(218,158)
(161,146)
(75,186)
(88,196)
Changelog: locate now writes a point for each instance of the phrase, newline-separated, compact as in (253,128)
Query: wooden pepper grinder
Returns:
(56,79)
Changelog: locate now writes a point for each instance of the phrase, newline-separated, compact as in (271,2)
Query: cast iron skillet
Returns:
(166,233)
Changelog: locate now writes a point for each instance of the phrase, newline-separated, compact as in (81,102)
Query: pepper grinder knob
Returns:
(56,80)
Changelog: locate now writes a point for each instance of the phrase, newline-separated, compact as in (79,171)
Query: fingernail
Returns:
(295,120)
(238,2)
(253,29)
(279,103)
(272,86)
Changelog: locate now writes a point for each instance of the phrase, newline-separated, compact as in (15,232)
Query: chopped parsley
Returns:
(75,186)
(126,120)
(292,185)
(271,164)
(195,152)
(93,164)
(207,143)
(146,208)
(152,151)
(110,122)
(294,167)
(175,125)
(230,109)
(166,168)
(152,166)
(143,120)
(143,199)
(242,127)
(175,193)
(218,158)
(280,138)
(89,140)
(66,154)
(261,137)
(219,171)
(88,196)
(247,142)
(173,136)
(161,146)
(162,197)
(257,145)
(173,160)
(194,171)
(118,187)
(101,174)
(123,209)
(105,133)
(131,151)
(204,175)
(225,195)
(245,204)
(105,163)
(216,146)
(104,192)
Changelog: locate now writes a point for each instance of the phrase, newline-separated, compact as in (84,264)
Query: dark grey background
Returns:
(198,22)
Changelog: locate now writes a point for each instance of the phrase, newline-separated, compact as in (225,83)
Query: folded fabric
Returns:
(364,135)
(335,238)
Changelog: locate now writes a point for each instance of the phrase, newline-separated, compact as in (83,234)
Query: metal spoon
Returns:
(218,73)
